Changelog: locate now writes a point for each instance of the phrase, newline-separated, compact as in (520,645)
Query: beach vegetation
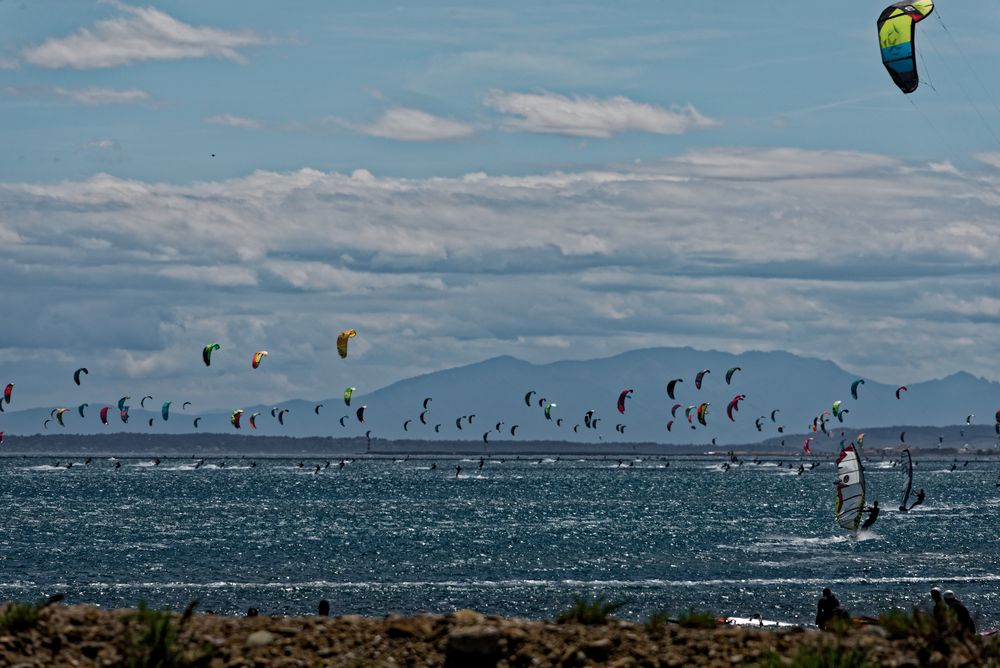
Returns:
(697,619)
(586,611)
(156,640)
(19,617)
(822,656)
(657,620)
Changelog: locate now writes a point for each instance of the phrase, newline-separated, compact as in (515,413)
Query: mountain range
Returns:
(493,391)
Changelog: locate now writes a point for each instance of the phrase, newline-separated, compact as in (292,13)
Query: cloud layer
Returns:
(405,124)
(585,116)
(887,268)
(140,34)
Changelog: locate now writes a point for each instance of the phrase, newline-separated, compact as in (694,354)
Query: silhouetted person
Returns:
(458,469)
(920,499)
(252,612)
(961,612)
(872,516)
(827,608)
(941,611)
(324,608)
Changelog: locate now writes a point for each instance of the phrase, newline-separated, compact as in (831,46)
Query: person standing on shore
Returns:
(941,611)
(827,608)
(324,608)
(961,613)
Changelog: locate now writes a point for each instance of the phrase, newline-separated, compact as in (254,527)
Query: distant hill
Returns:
(493,391)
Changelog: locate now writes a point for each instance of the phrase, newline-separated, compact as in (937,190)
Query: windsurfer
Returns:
(920,499)
(872,516)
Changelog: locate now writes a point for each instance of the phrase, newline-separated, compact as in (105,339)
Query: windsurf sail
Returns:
(850,488)
(906,464)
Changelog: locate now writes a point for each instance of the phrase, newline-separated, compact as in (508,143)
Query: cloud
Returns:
(94,96)
(138,34)
(404,124)
(874,262)
(234,121)
(585,116)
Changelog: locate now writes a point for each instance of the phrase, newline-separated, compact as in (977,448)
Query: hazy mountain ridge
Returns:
(493,390)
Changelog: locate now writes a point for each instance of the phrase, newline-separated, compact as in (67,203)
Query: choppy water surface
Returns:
(515,537)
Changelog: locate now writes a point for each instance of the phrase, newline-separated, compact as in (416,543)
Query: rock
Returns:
(260,639)
(473,646)
(598,649)
(405,628)
(466,618)
(288,631)
(91,649)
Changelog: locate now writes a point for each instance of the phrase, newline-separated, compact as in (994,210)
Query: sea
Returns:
(502,535)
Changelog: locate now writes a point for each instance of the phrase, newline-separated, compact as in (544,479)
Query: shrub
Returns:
(823,656)
(585,611)
(19,617)
(156,641)
(697,619)
(657,620)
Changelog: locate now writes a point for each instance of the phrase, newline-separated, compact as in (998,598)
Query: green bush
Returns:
(154,641)
(19,617)
(585,611)
(657,620)
(697,619)
(824,656)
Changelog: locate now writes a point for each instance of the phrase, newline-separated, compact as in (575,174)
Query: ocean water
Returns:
(515,537)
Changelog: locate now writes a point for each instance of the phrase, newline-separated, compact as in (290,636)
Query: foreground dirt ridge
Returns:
(87,636)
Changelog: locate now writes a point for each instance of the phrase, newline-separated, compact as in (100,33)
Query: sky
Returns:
(460,180)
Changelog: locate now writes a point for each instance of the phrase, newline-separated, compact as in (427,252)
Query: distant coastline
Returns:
(233,445)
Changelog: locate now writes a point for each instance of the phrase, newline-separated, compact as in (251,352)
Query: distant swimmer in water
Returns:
(342,463)
(920,499)
(872,516)
(222,464)
(802,469)
(434,466)
(481,462)
(458,469)
(87,461)
(118,465)
(69,465)
(156,462)
(317,469)
(300,465)
(253,465)
(327,464)
(953,467)
(621,462)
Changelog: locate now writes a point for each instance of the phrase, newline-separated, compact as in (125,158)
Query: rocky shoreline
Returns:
(57,635)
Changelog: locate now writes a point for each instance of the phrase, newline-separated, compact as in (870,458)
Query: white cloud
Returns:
(94,96)
(585,116)
(874,262)
(404,124)
(139,34)
(234,121)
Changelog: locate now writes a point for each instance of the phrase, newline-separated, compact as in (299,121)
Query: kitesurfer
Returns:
(458,469)
(961,612)
(920,499)
(872,516)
